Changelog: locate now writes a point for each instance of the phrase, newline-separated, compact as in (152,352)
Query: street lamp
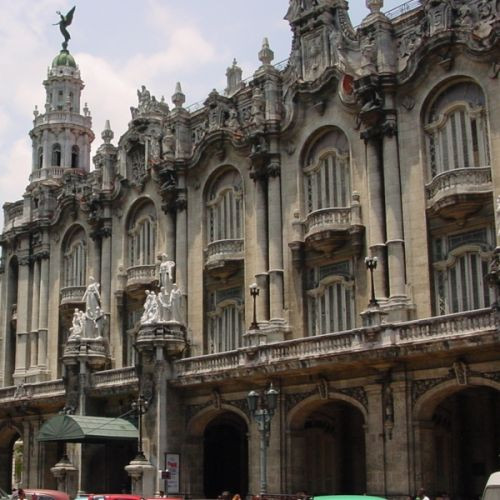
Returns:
(262,407)
(140,407)
(371,265)
(254,291)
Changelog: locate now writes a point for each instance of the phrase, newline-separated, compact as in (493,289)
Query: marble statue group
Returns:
(89,324)
(167,304)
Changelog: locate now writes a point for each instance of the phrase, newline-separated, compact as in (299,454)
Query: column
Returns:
(393,212)
(47,160)
(95,267)
(170,234)
(261,250)
(22,318)
(374,441)
(376,216)
(275,244)
(43,315)
(181,236)
(35,307)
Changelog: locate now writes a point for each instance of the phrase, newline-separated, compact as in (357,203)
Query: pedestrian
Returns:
(421,495)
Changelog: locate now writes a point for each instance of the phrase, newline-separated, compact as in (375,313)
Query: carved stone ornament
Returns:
(460,369)
(313,55)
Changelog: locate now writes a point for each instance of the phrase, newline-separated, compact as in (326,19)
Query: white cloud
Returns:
(16,167)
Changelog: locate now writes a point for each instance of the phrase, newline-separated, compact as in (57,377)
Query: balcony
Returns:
(13,214)
(458,193)
(72,295)
(139,277)
(224,257)
(396,341)
(328,229)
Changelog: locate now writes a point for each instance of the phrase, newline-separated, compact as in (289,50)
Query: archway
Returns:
(11,458)
(328,449)
(460,441)
(225,456)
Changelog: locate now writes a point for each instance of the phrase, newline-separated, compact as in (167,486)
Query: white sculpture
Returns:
(92,299)
(166,273)
(77,322)
(176,305)
(164,307)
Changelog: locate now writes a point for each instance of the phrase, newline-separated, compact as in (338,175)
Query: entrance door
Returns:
(225,456)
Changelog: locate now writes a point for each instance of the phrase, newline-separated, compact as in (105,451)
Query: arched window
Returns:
(75,156)
(225,208)
(326,172)
(56,155)
(75,260)
(40,157)
(330,299)
(142,236)
(225,320)
(457,130)
(460,271)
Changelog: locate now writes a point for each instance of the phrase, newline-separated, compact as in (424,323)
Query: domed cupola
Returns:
(61,136)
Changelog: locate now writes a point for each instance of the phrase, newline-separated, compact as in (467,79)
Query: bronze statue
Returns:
(63,24)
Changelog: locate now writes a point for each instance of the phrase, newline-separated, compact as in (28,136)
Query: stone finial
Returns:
(233,75)
(86,110)
(35,111)
(266,55)
(178,98)
(374,5)
(107,134)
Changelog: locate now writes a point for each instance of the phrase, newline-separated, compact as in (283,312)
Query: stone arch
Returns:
(427,403)
(9,434)
(298,414)
(217,451)
(326,445)
(452,453)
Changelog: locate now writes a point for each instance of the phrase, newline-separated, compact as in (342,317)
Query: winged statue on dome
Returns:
(63,24)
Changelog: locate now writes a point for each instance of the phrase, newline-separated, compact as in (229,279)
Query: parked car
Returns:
(114,496)
(492,488)
(36,494)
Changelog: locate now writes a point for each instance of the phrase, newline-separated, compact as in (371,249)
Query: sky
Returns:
(120,45)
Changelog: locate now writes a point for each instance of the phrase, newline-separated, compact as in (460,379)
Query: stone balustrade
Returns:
(458,181)
(362,340)
(41,390)
(47,173)
(328,219)
(141,275)
(72,294)
(61,116)
(116,377)
(224,249)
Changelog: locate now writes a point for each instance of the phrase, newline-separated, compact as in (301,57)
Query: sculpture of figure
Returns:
(154,152)
(257,110)
(166,273)
(63,24)
(92,299)
(368,57)
(144,98)
(168,144)
(99,322)
(147,306)
(77,324)
(163,305)
(150,314)
(176,305)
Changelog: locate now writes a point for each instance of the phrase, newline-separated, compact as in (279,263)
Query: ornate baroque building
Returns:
(381,141)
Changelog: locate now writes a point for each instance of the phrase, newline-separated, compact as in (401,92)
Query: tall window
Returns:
(56,155)
(225,208)
(225,320)
(460,270)
(327,173)
(457,130)
(75,260)
(142,237)
(75,157)
(330,299)
(40,157)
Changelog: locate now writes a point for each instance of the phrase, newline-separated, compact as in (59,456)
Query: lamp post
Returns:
(262,407)
(140,407)
(254,292)
(371,265)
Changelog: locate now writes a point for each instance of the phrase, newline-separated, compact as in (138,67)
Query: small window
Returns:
(40,157)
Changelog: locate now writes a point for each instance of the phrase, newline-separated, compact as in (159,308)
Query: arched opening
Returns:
(75,156)
(461,442)
(56,155)
(11,458)
(40,157)
(225,456)
(328,450)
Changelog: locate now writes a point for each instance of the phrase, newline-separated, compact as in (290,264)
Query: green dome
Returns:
(64,58)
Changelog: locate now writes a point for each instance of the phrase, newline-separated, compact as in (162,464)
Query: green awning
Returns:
(85,429)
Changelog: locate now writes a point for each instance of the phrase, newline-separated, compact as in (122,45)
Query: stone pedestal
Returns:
(254,338)
(94,351)
(169,335)
(66,474)
(142,474)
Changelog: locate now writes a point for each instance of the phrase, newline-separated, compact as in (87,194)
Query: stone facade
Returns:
(376,142)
